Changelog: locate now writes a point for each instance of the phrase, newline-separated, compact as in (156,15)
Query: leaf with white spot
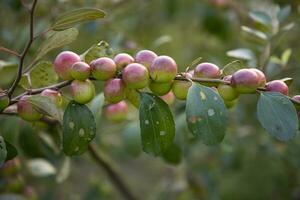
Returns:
(79,128)
(156,123)
(206,114)
(277,115)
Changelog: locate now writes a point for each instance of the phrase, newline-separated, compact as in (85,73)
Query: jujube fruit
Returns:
(54,95)
(82,91)
(26,110)
(122,60)
(160,88)
(163,69)
(169,98)
(135,76)
(114,90)
(117,112)
(63,64)
(181,88)
(103,68)
(80,71)
(145,57)
(245,81)
(207,70)
(277,86)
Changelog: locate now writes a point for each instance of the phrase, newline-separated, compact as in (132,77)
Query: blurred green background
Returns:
(248,164)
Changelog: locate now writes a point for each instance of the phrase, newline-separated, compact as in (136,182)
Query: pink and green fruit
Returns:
(63,64)
(297,99)
(82,91)
(261,76)
(160,88)
(227,92)
(103,68)
(135,76)
(163,69)
(169,98)
(122,60)
(26,110)
(245,81)
(207,70)
(4,101)
(80,71)
(277,86)
(145,57)
(117,112)
(181,88)
(54,95)
(114,90)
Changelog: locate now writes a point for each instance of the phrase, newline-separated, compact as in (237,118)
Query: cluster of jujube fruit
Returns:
(145,70)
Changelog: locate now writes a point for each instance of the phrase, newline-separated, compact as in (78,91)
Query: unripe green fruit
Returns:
(114,90)
(227,92)
(169,98)
(63,64)
(163,69)
(117,112)
(245,81)
(27,111)
(135,76)
(82,91)
(277,86)
(80,71)
(181,88)
(230,104)
(4,101)
(207,70)
(122,60)
(261,76)
(54,95)
(103,68)
(160,88)
(145,57)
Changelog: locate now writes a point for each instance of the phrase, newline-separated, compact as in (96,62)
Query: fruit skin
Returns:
(103,68)
(230,104)
(169,98)
(63,64)
(227,92)
(163,69)
(27,111)
(145,57)
(114,90)
(117,112)
(277,86)
(207,70)
(261,76)
(245,81)
(122,60)
(181,88)
(297,98)
(54,95)
(4,101)
(160,88)
(82,91)
(135,76)
(80,71)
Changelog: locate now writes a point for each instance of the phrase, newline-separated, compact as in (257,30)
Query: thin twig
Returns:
(115,178)
(12,52)
(24,53)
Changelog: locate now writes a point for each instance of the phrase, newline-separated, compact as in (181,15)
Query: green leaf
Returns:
(254,35)
(284,13)
(3,151)
(55,40)
(79,128)
(42,75)
(288,81)
(276,60)
(232,67)
(195,62)
(156,123)
(71,18)
(8,72)
(244,54)
(96,107)
(132,139)
(40,167)
(261,18)
(277,115)
(285,56)
(206,114)
(11,151)
(47,106)
(173,154)
(96,51)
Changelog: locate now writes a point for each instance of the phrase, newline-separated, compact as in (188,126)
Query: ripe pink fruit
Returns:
(181,88)
(63,64)
(123,59)
(207,70)
(245,81)
(163,69)
(145,57)
(160,88)
(277,86)
(54,95)
(117,112)
(114,90)
(261,76)
(80,71)
(296,98)
(103,68)
(27,111)
(82,91)
(169,98)
(135,76)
